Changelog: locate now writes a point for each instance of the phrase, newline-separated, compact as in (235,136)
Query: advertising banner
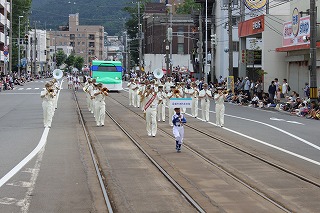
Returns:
(296,32)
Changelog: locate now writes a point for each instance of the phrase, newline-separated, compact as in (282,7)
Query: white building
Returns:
(37,51)
(261,30)
(5,9)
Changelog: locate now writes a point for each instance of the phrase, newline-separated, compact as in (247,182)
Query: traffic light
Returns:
(214,39)
(26,38)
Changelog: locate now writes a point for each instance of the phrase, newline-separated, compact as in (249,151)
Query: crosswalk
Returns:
(28,88)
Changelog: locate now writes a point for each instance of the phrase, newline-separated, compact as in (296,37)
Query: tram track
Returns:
(94,159)
(231,174)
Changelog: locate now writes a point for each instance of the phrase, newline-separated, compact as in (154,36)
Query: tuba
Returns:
(57,73)
(158,73)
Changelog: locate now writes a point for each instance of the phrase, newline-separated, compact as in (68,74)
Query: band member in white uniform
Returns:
(141,98)
(70,81)
(135,91)
(56,90)
(161,110)
(194,94)
(204,96)
(219,98)
(131,85)
(76,82)
(178,121)
(47,96)
(100,105)
(170,94)
(151,111)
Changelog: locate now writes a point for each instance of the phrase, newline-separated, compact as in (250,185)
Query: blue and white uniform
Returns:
(178,121)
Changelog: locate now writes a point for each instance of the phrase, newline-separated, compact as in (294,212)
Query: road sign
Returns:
(5,53)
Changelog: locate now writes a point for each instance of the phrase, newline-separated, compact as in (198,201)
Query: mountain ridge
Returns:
(54,13)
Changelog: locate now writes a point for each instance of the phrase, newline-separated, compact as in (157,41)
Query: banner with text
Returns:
(180,102)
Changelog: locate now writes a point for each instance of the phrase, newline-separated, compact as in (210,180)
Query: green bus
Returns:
(109,73)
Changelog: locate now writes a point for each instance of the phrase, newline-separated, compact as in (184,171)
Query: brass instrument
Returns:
(50,90)
(104,89)
(176,92)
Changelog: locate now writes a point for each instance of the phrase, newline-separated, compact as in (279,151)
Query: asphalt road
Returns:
(59,176)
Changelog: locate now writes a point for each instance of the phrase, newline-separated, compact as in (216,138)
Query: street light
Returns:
(19,63)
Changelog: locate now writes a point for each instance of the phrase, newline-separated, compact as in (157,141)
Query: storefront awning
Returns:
(296,47)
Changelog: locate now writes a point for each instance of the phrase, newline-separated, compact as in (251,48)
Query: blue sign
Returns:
(5,53)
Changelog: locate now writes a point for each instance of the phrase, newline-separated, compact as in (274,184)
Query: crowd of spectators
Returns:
(250,93)
(9,81)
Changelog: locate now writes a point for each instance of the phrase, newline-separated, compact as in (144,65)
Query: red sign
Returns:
(290,39)
(251,27)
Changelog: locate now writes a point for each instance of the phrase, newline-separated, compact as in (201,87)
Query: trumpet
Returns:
(104,89)
(176,92)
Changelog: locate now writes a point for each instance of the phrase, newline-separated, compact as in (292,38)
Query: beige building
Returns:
(5,9)
(87,41)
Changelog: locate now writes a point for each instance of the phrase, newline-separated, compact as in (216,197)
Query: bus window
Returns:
(107,69)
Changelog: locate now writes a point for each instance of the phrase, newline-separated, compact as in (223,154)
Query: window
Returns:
(91,44)
(91,36)
(235,20)
(72,36)
(180,48)
(235,46)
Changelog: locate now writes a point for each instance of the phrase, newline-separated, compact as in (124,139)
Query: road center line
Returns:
(34,152)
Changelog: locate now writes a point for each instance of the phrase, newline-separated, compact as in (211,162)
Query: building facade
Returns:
(5,10)
(87,41)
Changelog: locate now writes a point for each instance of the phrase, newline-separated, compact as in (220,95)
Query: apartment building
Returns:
(5,10)
(87,41)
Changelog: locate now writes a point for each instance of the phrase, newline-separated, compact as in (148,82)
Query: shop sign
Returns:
(296,31)
(255,4)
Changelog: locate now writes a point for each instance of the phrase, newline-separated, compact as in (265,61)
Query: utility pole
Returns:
(10,38)
(19,41)
(139,36)
(167,47)
(206,44)
(313,51)
(213,44)
(230,38)
(35,41)
(5,61)
(200,46)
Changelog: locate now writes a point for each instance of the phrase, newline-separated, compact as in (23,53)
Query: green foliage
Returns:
(54,13)
(70,61)
(60,58)
(20,8)
(78,62)
(187,7)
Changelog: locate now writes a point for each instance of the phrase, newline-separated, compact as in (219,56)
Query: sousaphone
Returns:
(158,73)
(57,73)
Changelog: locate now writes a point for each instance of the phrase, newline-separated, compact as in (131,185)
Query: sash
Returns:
(150,101)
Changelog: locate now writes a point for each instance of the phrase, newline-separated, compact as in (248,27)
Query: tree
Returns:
(78,62)
(187,7)
(19,8)
(60,58)
(70,61)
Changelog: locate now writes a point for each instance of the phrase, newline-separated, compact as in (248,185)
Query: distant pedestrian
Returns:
(272,90)
(219,98)
(306,90)
(178,121)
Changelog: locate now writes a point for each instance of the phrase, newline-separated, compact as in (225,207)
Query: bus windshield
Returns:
(106,68)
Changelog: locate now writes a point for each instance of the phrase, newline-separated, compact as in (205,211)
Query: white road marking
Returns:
(293,122)
(36,88)
(39,149)
(8,200)
(28,88)
(21,89)
(34,152)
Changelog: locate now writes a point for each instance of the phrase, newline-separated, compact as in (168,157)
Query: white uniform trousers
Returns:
(151,120)
(130,97)
(178,132)
(161,111)
(88,98)
(205,105)
(138,100)
(194,107)
(171,113)
(48,110)
(220,114)
(100,109)
(55,101)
